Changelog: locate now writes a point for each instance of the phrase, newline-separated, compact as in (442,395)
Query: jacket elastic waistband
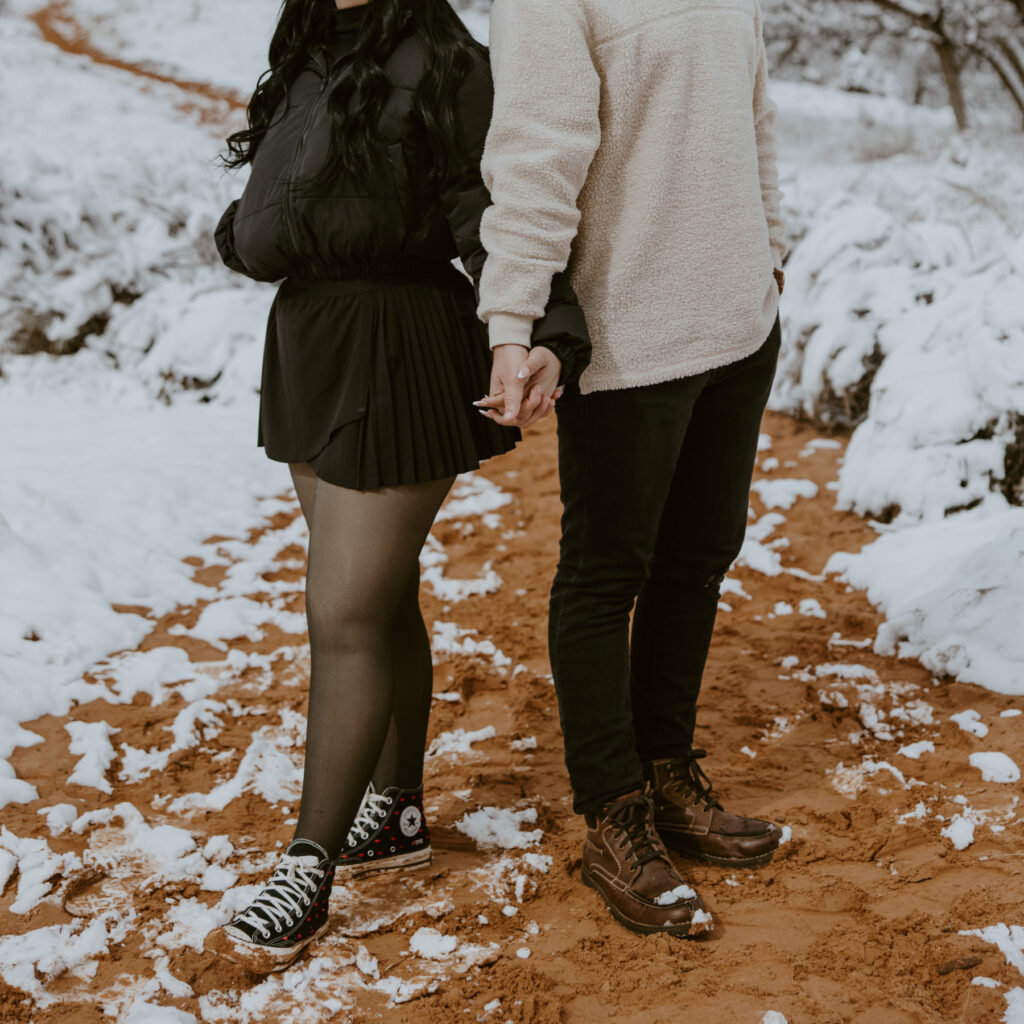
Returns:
(444,276)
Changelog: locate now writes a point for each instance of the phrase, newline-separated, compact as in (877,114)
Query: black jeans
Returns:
(655,487)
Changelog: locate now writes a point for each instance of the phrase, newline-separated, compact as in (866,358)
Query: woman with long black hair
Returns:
(365,138)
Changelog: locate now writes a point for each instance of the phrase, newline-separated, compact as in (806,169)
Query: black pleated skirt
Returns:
(371,381)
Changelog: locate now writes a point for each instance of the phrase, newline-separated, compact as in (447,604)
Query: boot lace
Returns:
(691,776)
(635,821)
(372,811)
(285,898)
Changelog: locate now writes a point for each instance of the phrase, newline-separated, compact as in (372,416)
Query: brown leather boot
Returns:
(626,862)
(690,819)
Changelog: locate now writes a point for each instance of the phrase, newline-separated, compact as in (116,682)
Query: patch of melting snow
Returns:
(157,853)
(841,671)
(538,861)
(1014,1006)
(432,944)
(783,493)
(838,640)
(970,721)
(781,725)
(196,722)
(915,750)
(267,768)
(862,683)
(58,818)
(731,585)
(812,609)
(1008,939)
(31,961)
(475,496)
(448,638)
(500,827)
(92,741)
(960,831)
(510,880)
(141,1011)
(433,560)
(851,780)
(819,444)
(153,672)
(673,896)
(459,741)
(873,719)
(231,618)
(919,812)
(995,766)
(961,828)
(36,865)
(755,554)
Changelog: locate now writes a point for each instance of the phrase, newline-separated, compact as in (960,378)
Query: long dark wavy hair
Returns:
(357,101)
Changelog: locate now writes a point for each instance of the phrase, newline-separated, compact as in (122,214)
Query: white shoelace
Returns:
(284,897)
(373,810)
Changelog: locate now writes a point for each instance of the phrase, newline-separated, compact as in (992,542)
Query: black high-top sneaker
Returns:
(390,831)
(288,914)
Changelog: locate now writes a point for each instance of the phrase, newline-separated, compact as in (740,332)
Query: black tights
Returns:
(371,678)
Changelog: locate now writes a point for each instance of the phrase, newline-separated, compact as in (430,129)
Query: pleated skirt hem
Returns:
(374,388)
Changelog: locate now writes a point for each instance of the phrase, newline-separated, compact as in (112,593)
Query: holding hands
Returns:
(524,386)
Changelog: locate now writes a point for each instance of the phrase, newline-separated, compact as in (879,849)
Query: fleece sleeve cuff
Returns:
(510,329)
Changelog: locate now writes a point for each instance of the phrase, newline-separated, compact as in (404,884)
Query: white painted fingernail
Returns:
(523,373)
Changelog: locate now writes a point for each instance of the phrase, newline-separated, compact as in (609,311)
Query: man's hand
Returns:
(524,386)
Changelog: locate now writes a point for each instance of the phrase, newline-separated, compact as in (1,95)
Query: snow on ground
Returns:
(100,500)
(904,313)
(500,827)
(952,592)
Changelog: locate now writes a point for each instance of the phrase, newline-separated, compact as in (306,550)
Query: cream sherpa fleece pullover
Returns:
(633,141)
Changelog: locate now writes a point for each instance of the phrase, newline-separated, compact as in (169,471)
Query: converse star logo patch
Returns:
(410,821)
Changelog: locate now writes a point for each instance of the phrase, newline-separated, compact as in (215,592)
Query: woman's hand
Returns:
(524,386)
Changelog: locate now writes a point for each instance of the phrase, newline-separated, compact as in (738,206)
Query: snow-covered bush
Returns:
(106,236)
(905,319)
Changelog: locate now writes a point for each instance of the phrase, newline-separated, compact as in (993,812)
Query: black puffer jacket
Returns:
(280,229)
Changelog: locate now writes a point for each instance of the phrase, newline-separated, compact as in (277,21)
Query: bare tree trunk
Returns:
(1007,67)
(1014,54)
(951,75)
